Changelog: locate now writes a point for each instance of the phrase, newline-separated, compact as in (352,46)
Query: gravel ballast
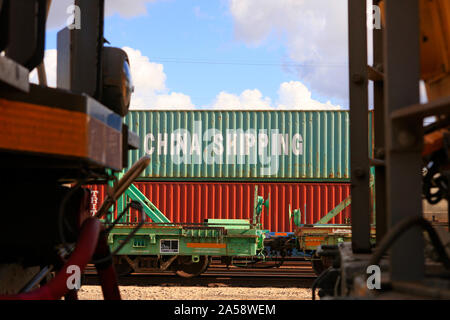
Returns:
(211,292)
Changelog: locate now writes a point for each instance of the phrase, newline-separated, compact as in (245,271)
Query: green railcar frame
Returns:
(214,237)
(209,239)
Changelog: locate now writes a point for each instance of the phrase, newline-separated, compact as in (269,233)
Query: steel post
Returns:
(359,136)
(403,138)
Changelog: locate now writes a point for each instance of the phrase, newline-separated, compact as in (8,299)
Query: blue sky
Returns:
(201,32)
(228,53)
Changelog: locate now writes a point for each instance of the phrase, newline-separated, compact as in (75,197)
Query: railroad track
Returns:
(289,270)
(290,274)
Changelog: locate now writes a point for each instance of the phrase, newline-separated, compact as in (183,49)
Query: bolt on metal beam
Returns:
(359,128)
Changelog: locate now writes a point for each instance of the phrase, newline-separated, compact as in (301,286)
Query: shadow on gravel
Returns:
(207,281)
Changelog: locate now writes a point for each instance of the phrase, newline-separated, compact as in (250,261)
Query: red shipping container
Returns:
(192,202)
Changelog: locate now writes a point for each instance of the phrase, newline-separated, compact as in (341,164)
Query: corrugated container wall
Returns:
(243,145)
(192,202)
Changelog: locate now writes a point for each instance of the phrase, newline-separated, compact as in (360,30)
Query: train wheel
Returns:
(187,268)
(122,267)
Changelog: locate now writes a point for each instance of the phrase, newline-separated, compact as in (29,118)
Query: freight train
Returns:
(206,165)
(215,145)
(191,203)
(160,243)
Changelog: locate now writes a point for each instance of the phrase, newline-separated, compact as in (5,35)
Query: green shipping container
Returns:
(243,145)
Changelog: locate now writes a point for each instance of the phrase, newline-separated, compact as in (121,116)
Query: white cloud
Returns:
(295,95)
(248,99)
(314,33)
(174,100)
(149,80)
(291,95)
(50,68)
(151,91)
(125,8)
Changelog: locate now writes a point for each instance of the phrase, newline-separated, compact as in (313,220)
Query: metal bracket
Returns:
(14,75)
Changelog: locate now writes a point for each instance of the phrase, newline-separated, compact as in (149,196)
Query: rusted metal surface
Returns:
(13,74)
(192,202)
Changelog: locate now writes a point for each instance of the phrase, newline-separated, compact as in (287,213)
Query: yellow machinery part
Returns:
(434,141)
(434,46)
(38,129)
(34,128)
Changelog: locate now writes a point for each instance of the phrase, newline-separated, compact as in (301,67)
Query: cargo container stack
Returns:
(206,164)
